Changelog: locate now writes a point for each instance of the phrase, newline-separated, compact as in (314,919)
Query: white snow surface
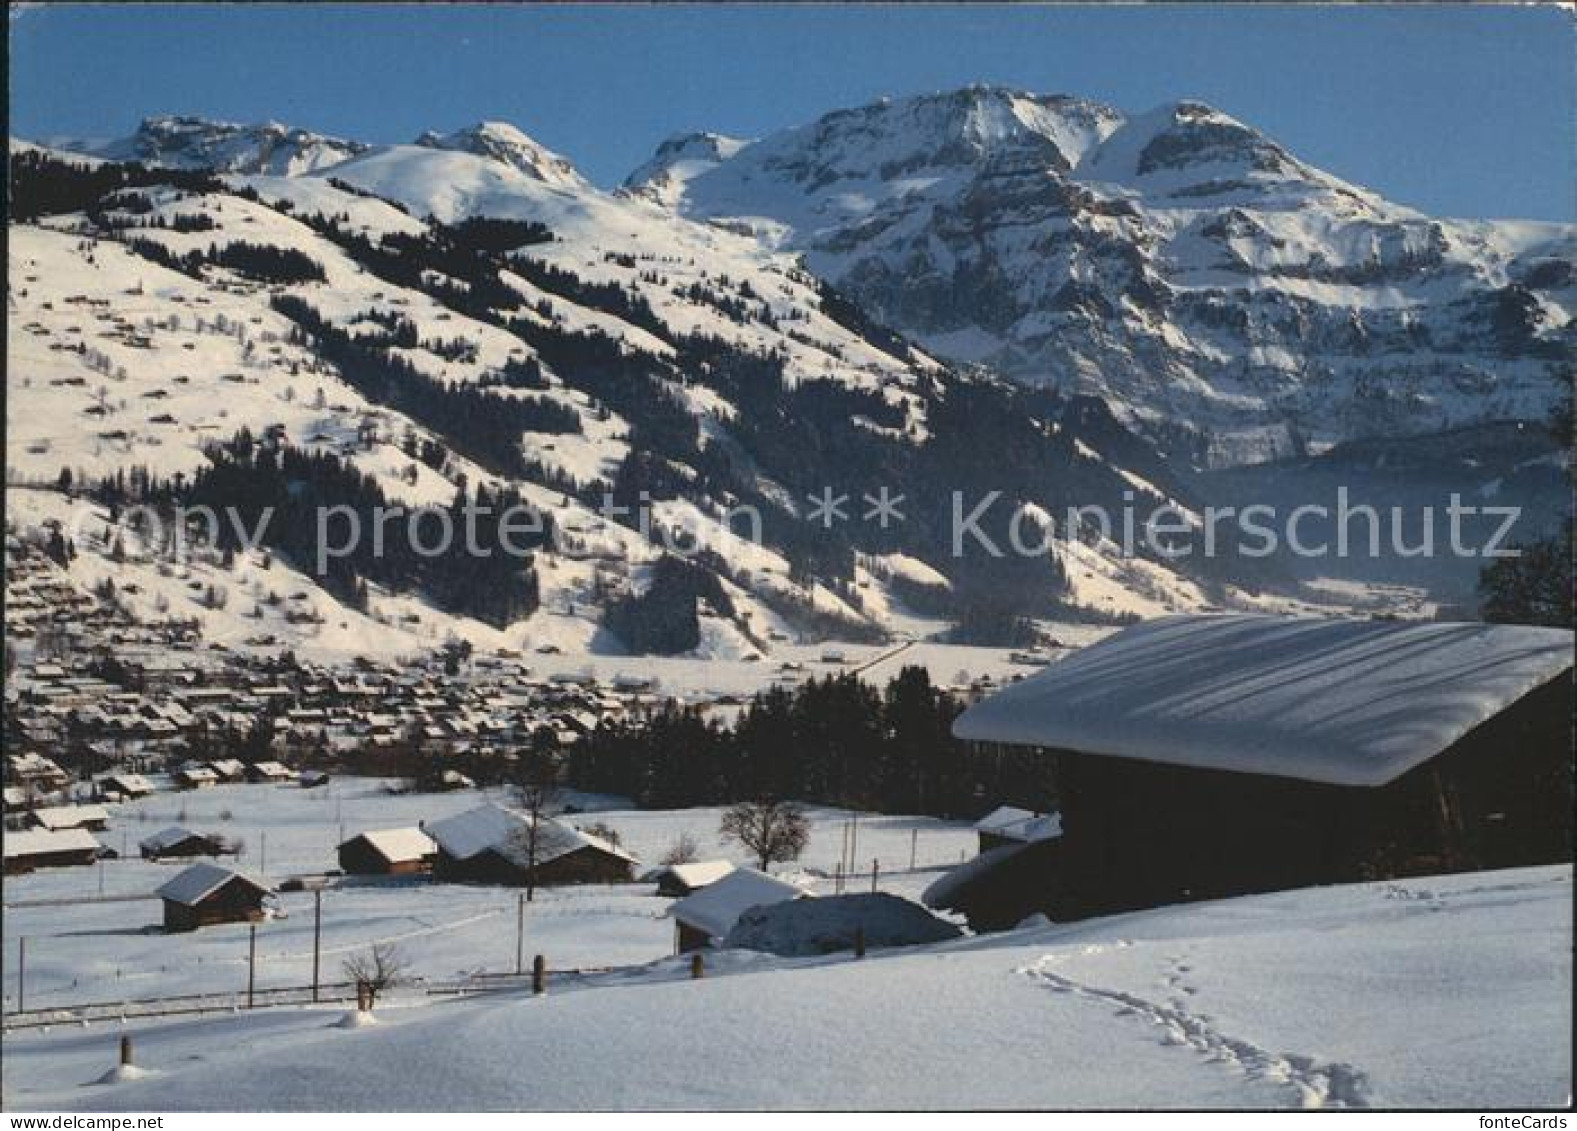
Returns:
(1347,702)
(1440,992)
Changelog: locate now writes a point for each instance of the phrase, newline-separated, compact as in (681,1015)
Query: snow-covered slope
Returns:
(666,356)
(1450,991)
(1224,294)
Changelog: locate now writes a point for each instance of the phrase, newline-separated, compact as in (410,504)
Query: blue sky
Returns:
(1457,110)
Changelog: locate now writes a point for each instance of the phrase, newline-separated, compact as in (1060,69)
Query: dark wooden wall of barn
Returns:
(1140,834)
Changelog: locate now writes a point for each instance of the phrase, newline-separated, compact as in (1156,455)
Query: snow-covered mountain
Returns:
(1229,298)
(184,142)
(574,344)
(504,142)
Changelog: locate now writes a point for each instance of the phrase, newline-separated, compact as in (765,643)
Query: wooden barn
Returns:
(705,918)
(388,852)
(1206,756)
(678,880)
(490,844)
(269,772)
(176,843)
(48,848)
(206,894)
(126,786)
(1007,825)
(194,777)
(1005,883)
(94,818)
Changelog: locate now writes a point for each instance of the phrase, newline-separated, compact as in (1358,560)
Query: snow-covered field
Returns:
(1451,991)
(82,950)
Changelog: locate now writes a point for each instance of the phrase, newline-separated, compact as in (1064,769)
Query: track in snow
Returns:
(1319,1084)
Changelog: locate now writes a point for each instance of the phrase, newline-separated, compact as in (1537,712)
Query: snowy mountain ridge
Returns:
(349,311)
(1233,300)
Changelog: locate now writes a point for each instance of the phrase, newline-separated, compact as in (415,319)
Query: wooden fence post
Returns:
(125,1050)
(859,942)
(876,871)
(697,965)
(539,975)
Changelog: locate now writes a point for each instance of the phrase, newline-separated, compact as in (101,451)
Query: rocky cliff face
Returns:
(1227,297)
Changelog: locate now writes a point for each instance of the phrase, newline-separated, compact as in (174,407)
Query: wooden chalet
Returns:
(48,848)
(705,918)
(1206,756)
(388,852)
(490,844)
(176,843)
(678,880)
(207,894)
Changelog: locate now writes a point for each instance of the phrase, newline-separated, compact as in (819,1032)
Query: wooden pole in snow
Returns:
(125,1051)
(697,965)
(21,974)
(914,844)
(251,963)
(539,975)
(520,933)
(876,871)
(317,939)
(859,942)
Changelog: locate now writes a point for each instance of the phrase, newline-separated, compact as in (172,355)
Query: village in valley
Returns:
(198,833)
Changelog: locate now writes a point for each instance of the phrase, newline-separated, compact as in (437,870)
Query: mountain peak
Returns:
(1190,151)
(187,141)
(677,159)
(508,144)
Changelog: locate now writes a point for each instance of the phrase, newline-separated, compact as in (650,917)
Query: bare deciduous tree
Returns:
(772,830)
(683,851)
(374,970)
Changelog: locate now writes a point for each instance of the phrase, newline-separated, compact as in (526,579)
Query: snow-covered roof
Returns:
(42,842)
(399,844)
(701,873)
(1347,702)
(130,783)
(198,882)
(1020,824)
(717,907)
(507,832)
(165,838)
(70,816)
(944,891)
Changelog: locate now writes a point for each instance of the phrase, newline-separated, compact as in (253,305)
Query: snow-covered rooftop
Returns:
(1014,823)
(40,842)
(70,816)
(507,832)
(1346,702)
(717,907)
(165,838)
(399,844)
(199,881)
(696,874)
